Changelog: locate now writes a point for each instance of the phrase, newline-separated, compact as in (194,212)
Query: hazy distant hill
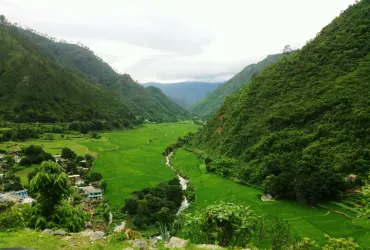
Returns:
(185,93)
(212,101)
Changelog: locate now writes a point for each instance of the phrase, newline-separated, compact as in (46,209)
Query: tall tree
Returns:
(51,185)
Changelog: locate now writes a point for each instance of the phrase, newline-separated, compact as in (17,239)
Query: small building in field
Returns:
(351,177)
(267,197)
(10,197)
(76,179)
(17,196)
(57,157)
(83,169)
(91,192)
(17,159)
(21,193)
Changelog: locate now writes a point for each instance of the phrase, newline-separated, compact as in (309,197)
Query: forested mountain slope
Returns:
(165,103)
(85,63)
(213,100)
(36,89)
(185,93)
(302,125)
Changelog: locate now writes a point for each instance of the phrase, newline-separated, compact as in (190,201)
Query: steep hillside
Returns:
(36,89)
(302,125)
(85,63)
(212,101)
(185,93)
(166,104)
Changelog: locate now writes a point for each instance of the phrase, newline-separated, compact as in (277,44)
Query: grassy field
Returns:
(51,146)
(37,240)
(305,221)
(23,174)
(132,159)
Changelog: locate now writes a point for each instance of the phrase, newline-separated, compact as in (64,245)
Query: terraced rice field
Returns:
(305,221)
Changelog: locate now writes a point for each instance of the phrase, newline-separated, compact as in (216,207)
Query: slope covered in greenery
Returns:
(213,100)
(302,125)
(36,89)
(169,107)
(185,93)
(89,66)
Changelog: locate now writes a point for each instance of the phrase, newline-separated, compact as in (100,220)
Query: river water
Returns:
(183,183)
(184,186)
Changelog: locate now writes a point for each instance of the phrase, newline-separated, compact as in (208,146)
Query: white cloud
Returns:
(167,40)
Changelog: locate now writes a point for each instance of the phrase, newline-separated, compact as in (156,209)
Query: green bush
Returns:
(225,224)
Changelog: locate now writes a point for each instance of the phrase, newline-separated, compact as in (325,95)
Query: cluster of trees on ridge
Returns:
(301,126)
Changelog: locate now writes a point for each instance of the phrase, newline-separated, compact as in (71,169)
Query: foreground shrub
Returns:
(225,224)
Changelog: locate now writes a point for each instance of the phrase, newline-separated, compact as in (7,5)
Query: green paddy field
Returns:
(305,221)
(132,159)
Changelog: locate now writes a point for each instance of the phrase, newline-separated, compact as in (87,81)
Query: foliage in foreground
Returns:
(225,224)
(52,188)
(232,225)
(158,204)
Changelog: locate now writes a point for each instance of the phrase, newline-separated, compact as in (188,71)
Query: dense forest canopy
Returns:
(46,81)
(94,70)
(301,126)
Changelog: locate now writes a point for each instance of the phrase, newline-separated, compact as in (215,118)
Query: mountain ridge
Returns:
(209,104)
(93,69)
(299,126)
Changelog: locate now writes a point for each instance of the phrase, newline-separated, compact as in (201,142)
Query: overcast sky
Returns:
(178,40)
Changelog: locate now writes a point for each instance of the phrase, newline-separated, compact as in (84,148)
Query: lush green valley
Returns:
(305,221)
(137,162)
(213,100)
(300,127)
(90,159)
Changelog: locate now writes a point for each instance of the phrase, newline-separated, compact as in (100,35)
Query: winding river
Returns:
(183,183)
(184,203)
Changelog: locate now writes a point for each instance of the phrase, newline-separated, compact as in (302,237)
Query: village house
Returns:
(76,179)
(91,192)
(351,177)
(57,157)
(21,193)
(10,197)
(17,197)
(83,169)
(17,159)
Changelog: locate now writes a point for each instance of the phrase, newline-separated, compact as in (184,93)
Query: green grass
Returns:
(137,161)
(305,221)
(54,147)
(37,240)
(23,174)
